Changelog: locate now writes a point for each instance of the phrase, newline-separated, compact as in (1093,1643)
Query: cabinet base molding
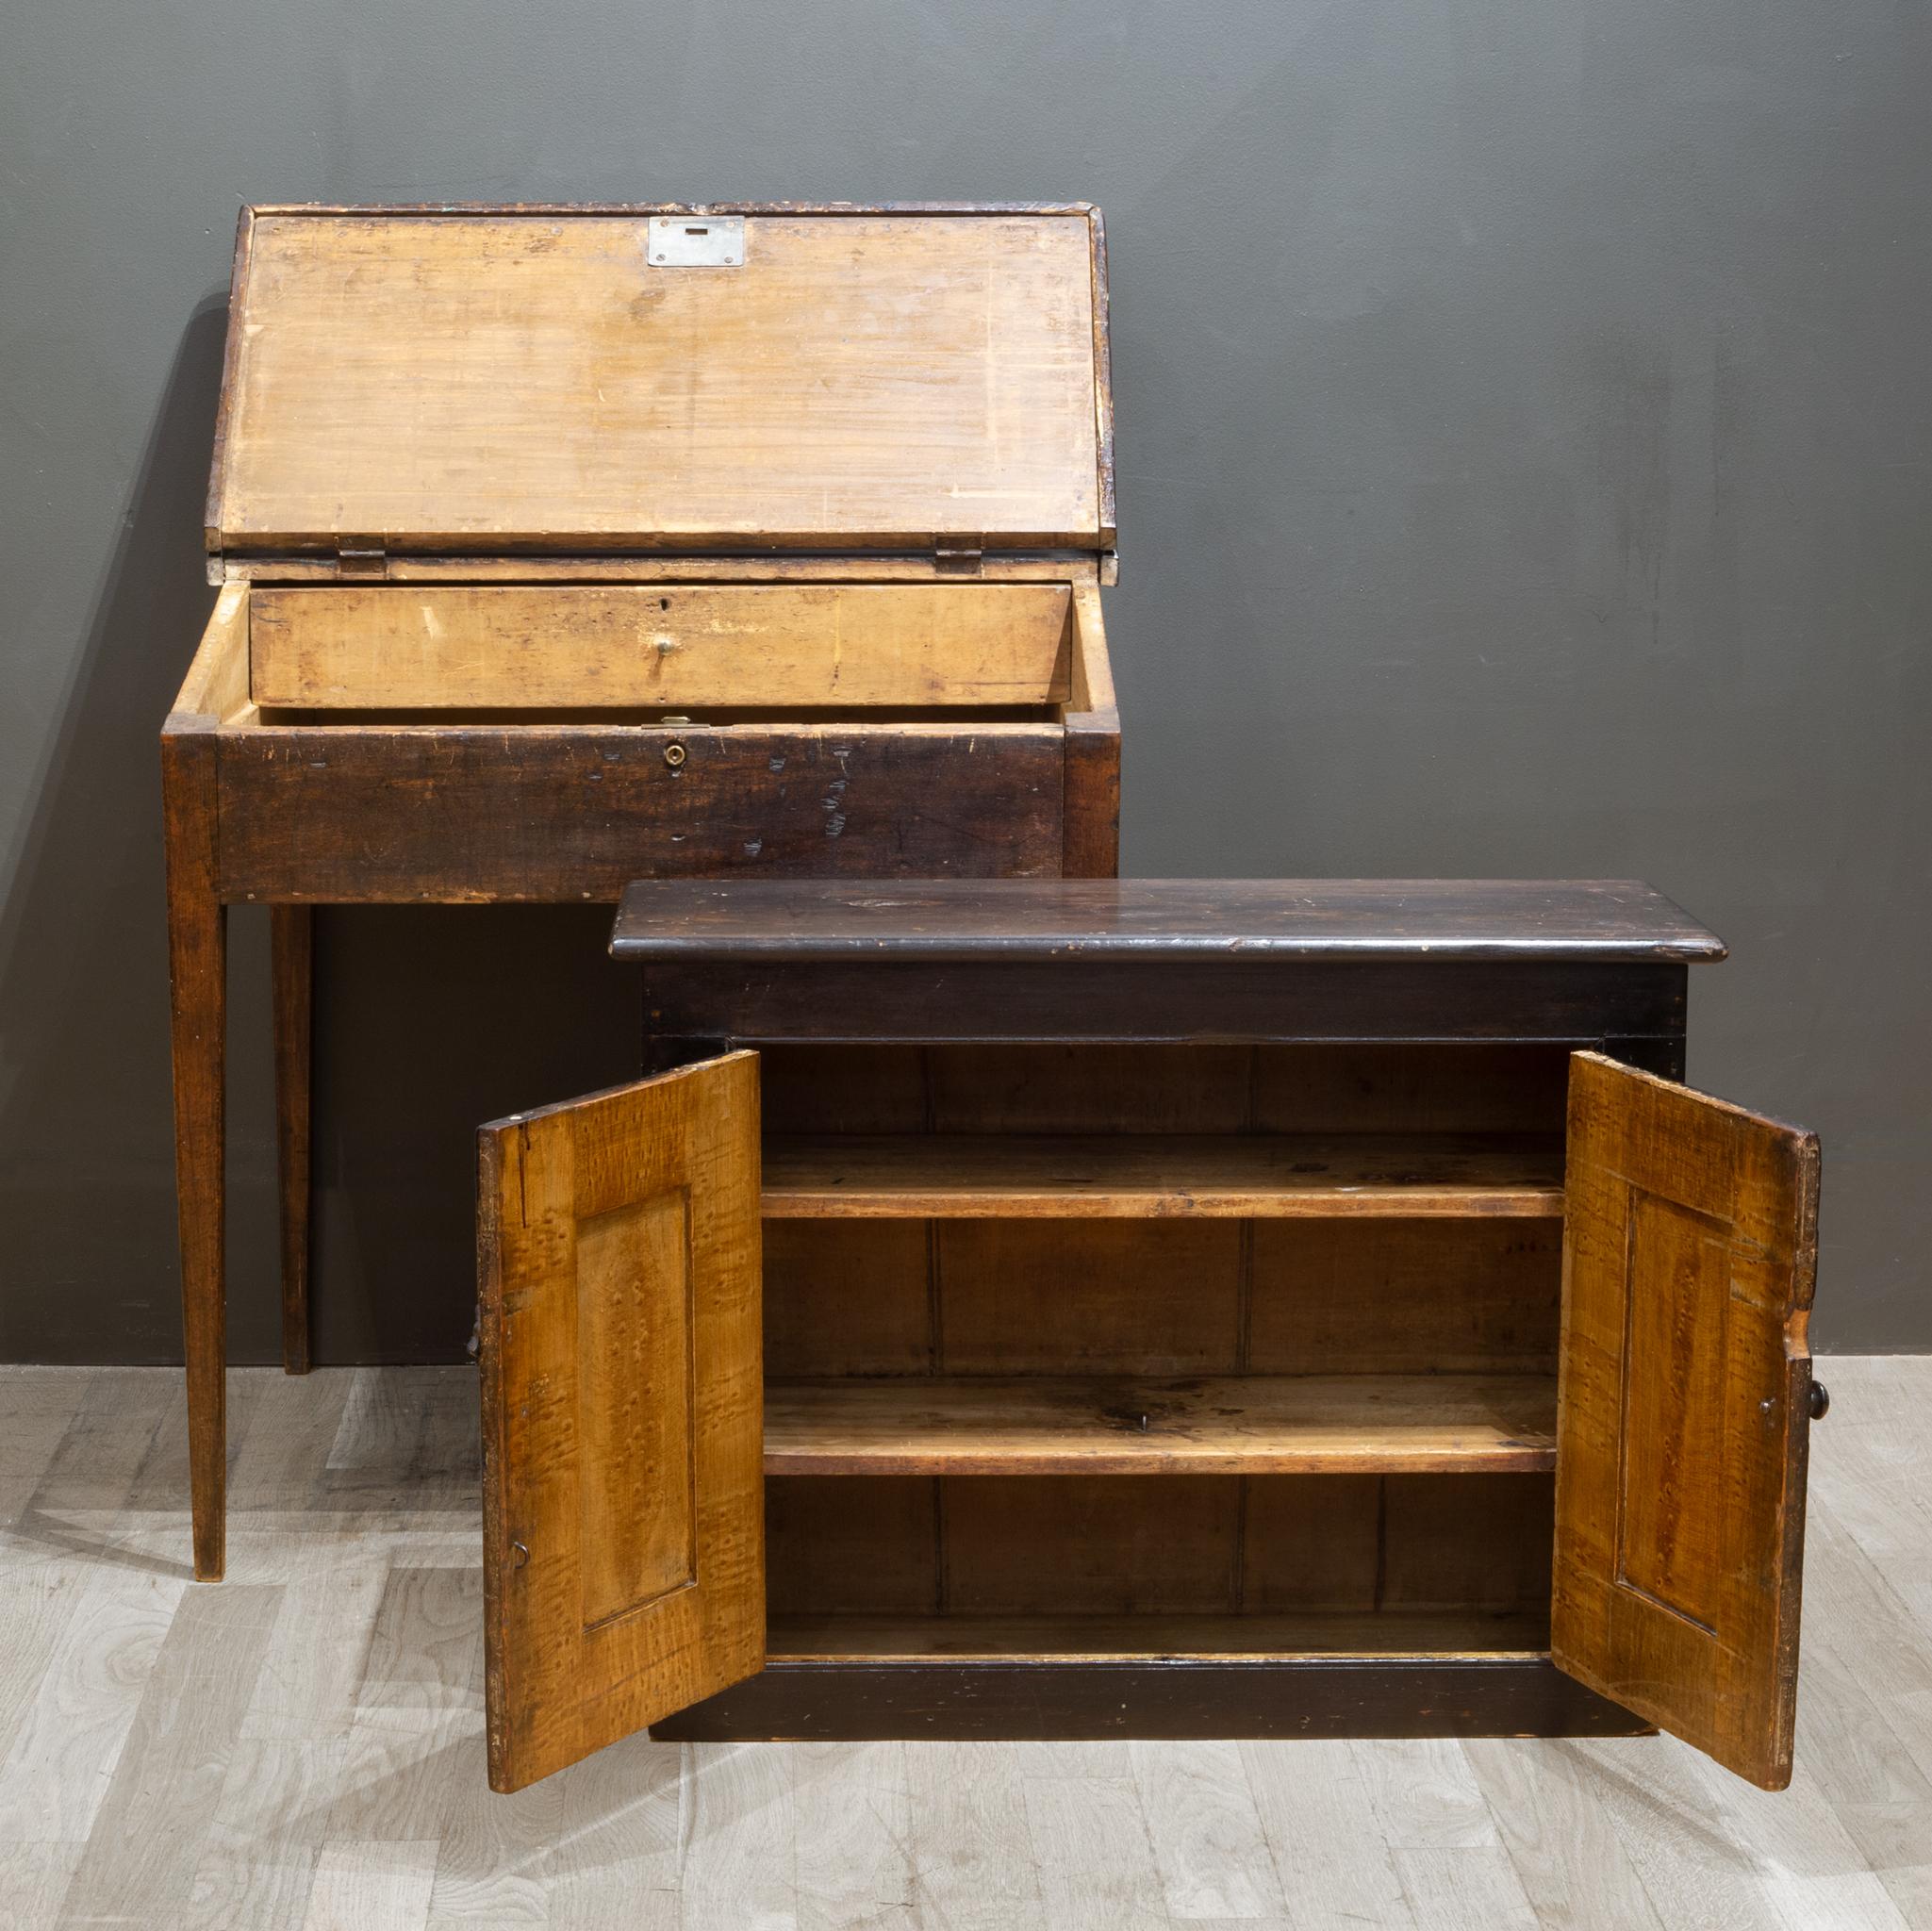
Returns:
(866,1701)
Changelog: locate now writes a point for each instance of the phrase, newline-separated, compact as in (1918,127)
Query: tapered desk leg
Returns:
(291,952)
(197,957)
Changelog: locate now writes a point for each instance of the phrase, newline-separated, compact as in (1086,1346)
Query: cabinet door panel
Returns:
(1684,1387)
(622,1411)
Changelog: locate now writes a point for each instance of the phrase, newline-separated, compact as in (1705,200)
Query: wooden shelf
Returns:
(1248,1425)
(972,1175)
(1161,1638)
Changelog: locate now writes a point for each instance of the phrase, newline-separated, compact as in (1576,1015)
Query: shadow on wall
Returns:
(428,1019)
(86,1149)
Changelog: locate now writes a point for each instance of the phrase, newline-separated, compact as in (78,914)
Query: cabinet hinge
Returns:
(958,559)
(363,560)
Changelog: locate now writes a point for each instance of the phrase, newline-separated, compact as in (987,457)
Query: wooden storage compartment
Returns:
(662,647)
(363,733)
(1159,1351)
(1157,1566)
(558,547)
(1270,1309)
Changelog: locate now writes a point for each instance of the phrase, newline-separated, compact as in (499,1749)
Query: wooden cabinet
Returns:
(562,546)
(1187,1310)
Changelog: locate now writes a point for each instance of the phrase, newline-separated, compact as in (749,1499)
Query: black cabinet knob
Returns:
(1821,1401)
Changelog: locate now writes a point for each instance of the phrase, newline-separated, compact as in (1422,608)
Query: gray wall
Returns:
(1525,458)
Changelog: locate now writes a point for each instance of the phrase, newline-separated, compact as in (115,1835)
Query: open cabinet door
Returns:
(623,1539)
(1683,1411)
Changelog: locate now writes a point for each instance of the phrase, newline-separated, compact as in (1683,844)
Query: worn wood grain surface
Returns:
(291,956)
(957,1176)
(677,647)
(375,814)
(1689,1257)
(623,1531)
(494,379)
(1168,920)
(1254,1424)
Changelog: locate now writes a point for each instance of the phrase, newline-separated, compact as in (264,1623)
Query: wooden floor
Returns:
(303,1746)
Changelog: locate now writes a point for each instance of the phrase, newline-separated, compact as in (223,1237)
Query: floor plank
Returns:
(737,1863)
(302,1746)
(1331,1854)
(1207,1839)
(1553,1824)
(972,1850)
(1094,1853)
(851,1816)
(620,1839)
(376,1886)
(153,1822)
(33,1880)
(68,1735)
(258,1867)
(37,1408)
(1463,1888)
(1693,1871)
(1427,1795)
(494,1862)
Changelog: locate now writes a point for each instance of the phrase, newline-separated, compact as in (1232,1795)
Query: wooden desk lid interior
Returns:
(523,380)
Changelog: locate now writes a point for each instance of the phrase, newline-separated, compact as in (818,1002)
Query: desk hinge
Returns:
(958,559)
(367,560)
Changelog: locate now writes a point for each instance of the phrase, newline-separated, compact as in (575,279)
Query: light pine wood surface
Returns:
(446,646)
(1691,1247)
(498,381)
(623,1568)
(302,1746)
(1240,1424)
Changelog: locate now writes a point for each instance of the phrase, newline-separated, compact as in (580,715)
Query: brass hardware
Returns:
(1821,1401)
(674,756)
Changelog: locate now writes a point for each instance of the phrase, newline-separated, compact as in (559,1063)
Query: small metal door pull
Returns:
(1821,1401)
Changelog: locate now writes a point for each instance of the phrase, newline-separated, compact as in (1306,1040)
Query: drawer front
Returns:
(366,815)
(673,647)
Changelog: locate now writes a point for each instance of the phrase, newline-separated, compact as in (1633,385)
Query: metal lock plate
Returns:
(697,242)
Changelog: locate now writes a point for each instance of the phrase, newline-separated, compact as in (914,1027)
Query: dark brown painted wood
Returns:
(1153,999)
(371,816)
(291,957)
(198,972)
(1433,921)
(1092,796)
(1662,1055)
(1381,1696)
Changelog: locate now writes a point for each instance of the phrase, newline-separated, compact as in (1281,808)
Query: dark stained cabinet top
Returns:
(1171,920)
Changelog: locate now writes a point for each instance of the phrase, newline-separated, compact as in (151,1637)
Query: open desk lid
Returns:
(597,380)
